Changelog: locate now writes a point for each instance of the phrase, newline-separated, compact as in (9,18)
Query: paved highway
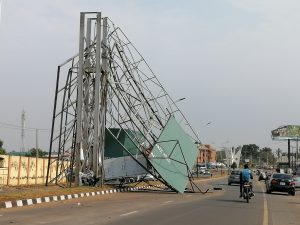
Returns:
(220,207)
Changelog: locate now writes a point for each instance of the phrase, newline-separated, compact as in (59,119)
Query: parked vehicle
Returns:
(280,182)
(206,172)
(258,171)
(234,177)
(148,177)
(297,182)
(262,176)
(202,169)
(88,178)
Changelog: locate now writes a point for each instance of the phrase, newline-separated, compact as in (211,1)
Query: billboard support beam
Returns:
(288,132)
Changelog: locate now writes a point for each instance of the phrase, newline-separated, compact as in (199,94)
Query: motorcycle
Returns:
(247,191)
(88,178)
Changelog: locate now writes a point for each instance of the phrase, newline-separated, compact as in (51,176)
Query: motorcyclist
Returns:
(245,176)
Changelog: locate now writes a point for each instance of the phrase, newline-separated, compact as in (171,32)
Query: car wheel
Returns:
(229,184)
(292,193)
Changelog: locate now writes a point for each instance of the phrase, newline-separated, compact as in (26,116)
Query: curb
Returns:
(33,201)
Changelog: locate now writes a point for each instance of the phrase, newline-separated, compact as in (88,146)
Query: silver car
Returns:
(234,177)
(297,182)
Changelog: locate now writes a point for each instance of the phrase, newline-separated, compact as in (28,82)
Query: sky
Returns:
(235,61)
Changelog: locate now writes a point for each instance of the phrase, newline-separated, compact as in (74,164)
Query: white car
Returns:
(149,177)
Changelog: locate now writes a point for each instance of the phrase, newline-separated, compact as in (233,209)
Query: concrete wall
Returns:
(20,170)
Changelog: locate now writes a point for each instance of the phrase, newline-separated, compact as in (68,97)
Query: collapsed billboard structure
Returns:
(108,88)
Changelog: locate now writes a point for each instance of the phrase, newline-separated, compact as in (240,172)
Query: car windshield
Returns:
(235,172)
(282,176)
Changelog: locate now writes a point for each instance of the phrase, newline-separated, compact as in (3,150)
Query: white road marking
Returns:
(266,211)
(127,214)
(168,202)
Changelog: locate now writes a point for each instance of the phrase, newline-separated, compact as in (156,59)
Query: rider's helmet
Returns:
(246,166)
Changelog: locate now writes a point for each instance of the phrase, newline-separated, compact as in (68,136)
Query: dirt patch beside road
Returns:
(38,191)
(10,193)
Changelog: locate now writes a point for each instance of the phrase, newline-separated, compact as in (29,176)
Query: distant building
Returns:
(206,154)
(284,159)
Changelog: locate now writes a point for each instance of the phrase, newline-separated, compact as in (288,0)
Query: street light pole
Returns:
(205,151)
(296,153)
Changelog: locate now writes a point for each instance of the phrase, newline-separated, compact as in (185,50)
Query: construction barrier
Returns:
(20,170)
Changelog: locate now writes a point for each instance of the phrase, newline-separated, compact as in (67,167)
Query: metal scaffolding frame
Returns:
(107,85)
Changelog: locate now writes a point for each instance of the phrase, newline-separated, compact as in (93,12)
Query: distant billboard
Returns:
(286,132)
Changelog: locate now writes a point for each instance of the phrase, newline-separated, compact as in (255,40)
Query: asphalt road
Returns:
(220,207)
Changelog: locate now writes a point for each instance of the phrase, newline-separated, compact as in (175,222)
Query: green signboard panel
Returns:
(174,155)
(114,149)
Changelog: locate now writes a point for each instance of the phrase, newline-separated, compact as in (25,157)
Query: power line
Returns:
(17,127)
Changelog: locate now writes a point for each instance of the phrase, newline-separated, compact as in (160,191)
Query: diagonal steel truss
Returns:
(107,85)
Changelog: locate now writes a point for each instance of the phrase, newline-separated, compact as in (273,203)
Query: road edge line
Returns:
(266,210)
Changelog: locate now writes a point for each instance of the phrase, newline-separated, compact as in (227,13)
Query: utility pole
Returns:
(205,156)
(36,143)
(23,131)
(259,158)
(267,159)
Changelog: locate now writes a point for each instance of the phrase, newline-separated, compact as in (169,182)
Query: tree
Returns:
(221,155)
(267,156)
(32,152)
(2,150)
(251,152)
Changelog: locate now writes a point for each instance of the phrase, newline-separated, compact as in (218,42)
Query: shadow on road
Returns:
(223,184)
(277,193)
(231,200)
(294,203)
(168,191)
(259,192)
(147,191)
